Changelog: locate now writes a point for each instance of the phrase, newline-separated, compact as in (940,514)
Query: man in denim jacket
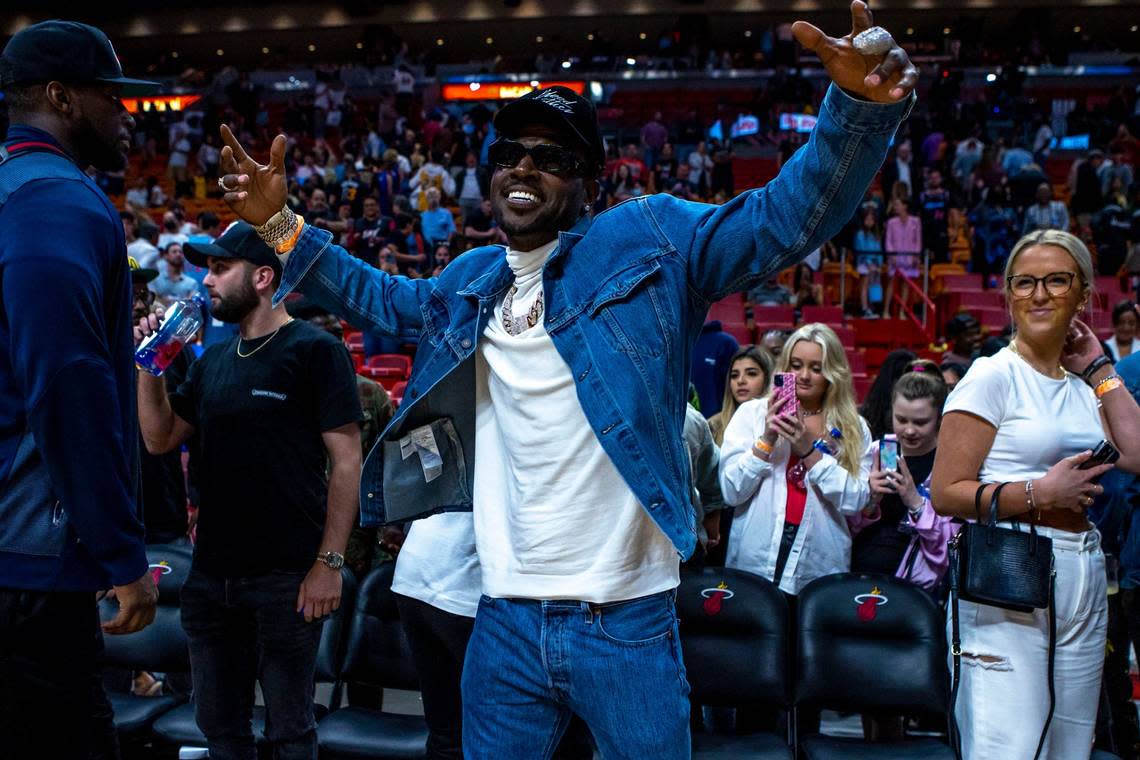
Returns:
(549,389)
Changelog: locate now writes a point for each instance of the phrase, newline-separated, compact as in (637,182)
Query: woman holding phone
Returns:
(899,533)
(1030,416)
(793,482)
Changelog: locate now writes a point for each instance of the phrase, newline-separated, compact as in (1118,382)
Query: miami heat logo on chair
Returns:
(715,597)
(868,604)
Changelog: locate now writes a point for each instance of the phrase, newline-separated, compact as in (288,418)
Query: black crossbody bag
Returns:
(1004,568)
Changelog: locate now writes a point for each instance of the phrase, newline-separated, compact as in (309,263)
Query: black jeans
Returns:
(243,630)
(52,703)
(438,641)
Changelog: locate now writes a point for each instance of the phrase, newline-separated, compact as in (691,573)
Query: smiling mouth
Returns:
(523,198)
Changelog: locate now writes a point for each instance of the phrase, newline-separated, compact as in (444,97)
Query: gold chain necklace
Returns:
(1019,355)
(237,347)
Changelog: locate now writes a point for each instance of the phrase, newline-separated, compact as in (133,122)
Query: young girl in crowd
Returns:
(868,245)
(749,375)
(794,482)
(899,533)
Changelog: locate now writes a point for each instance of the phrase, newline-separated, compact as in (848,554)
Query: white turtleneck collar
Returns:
(526,264)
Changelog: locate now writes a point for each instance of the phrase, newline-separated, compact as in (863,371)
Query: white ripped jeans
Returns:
(1003,699)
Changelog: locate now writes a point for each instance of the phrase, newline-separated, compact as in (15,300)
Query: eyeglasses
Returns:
(552,159)
(1025,285)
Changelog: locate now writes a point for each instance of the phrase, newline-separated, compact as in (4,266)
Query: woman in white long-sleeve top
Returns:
(792,481)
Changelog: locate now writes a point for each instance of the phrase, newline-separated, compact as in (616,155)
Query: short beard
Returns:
(559,220)
(233,309)
(95,149)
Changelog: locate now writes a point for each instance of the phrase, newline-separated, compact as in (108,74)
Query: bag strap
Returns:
(1052,658)
(14,150)
(955,646)
(978,501)
(994,503)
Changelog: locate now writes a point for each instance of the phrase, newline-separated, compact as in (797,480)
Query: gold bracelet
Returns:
(1029,500)
(1110,383)
(292,241)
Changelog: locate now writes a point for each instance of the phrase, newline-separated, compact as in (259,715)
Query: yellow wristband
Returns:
(1110,383)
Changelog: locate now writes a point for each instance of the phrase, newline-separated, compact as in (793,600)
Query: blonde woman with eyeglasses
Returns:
(793,482)
(1030,416)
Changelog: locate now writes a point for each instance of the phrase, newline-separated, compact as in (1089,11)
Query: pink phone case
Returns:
(785,387)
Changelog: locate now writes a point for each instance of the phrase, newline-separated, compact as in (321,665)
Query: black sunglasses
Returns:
(552,159)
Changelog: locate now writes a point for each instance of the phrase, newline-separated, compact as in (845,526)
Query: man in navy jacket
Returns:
(69,518)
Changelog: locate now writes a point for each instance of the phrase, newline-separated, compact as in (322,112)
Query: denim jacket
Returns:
(626,294)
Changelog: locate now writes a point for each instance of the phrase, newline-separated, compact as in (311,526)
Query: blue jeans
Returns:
(243,630)
(531,664)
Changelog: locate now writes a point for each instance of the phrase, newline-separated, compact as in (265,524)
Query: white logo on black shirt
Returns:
(268,394)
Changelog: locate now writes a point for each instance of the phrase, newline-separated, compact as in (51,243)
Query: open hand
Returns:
(883,78)
(254,191)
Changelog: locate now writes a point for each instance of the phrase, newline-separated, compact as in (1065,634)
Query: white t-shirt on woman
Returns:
(1039,420)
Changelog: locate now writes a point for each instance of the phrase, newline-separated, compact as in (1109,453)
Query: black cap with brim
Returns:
(561,109)
(240,241)
(66,51)
(141,275)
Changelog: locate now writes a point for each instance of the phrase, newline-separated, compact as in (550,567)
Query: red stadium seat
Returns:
(743,334)
(961,283)
(355,342)
(829,315)
(857,360)
(784,316)
(396,392)
(392,361)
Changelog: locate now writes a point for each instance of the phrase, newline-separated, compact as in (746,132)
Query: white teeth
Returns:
(520,195)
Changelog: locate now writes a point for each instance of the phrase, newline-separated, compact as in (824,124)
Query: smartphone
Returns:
(889,452)
(785,387)
(1104,453)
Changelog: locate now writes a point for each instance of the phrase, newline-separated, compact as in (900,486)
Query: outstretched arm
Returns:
(734,246)
(325,272)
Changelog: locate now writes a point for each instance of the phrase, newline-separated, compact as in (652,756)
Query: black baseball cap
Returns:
(65,51)
(240,241)
(140,274)
(561,109)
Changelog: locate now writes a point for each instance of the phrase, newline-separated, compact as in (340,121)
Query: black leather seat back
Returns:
(334,635)
(871,642)
(378,651)
(162,645)
(734,635)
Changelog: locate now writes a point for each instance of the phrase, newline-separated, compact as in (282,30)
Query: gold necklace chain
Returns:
(1019,355)
(237,347)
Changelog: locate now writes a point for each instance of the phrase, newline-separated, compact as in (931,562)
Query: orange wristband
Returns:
(1110,383)
(292,241)
(764,446)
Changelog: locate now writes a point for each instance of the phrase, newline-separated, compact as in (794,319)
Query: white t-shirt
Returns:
(553,517)
(1114,350)
(1039,420)
(438,565)
(144,253)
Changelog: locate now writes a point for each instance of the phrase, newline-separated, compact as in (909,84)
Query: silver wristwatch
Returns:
(335,560)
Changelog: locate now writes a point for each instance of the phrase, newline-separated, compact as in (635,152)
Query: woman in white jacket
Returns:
(792,480)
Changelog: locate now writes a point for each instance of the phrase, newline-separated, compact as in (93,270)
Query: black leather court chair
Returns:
(871,643)
(734,635)
(179,728)
(160,647)
(378,654)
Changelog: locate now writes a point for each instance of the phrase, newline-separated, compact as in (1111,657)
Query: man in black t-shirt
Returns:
(370,233)
(271,407)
